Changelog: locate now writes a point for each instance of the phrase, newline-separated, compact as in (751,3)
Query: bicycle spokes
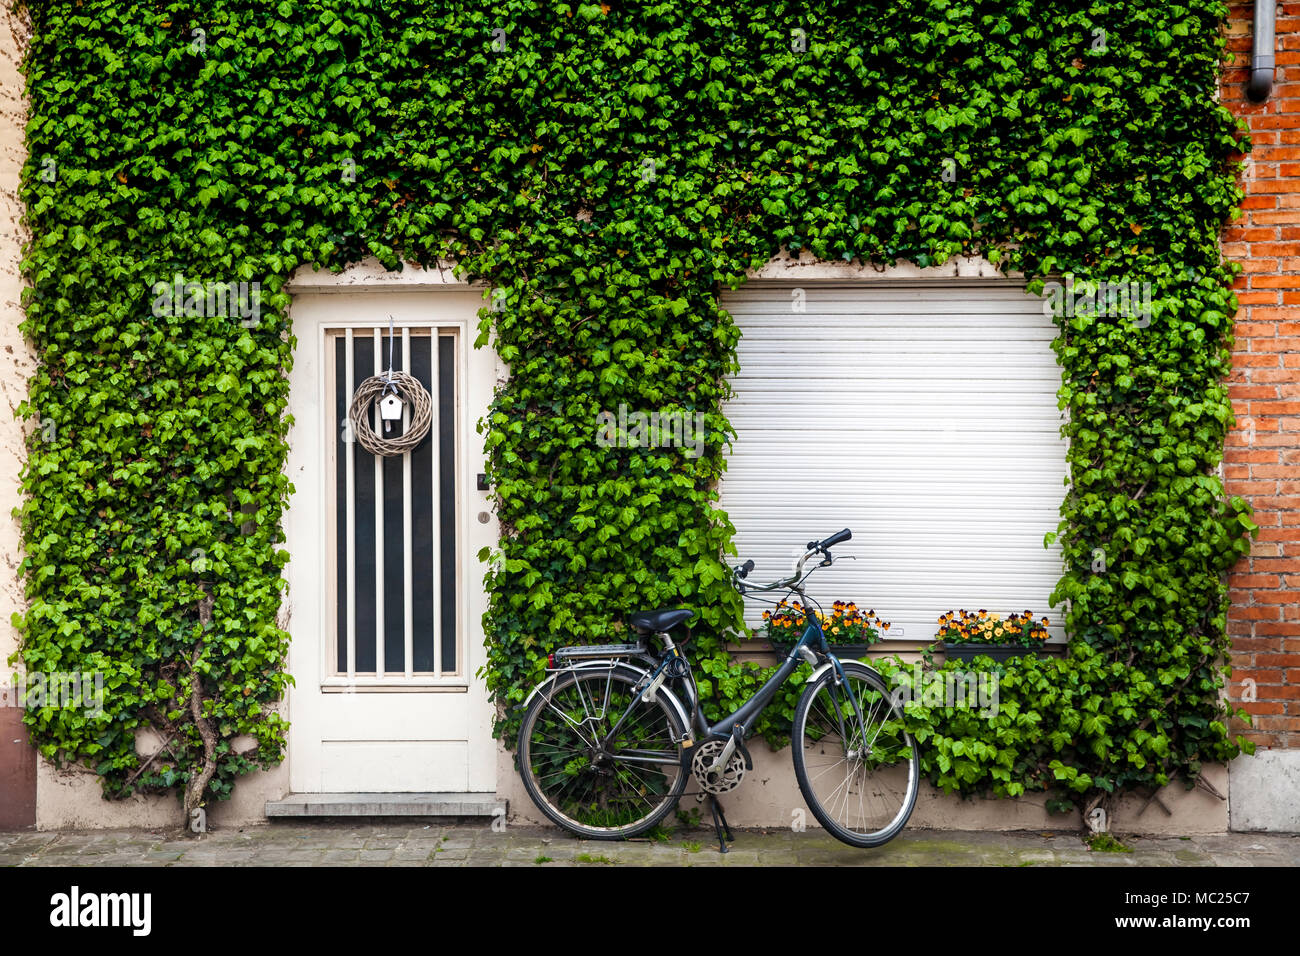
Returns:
(857,755)
(599,755)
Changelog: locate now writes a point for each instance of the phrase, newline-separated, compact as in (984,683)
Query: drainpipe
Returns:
(1262,51)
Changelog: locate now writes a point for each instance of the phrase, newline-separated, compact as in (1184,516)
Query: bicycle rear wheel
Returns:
(603,792)
(859,778)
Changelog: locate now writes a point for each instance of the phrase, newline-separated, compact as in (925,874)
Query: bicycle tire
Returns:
(825,743)
(566,790)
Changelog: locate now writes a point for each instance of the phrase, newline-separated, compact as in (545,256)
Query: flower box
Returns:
(849,631)
(965,635)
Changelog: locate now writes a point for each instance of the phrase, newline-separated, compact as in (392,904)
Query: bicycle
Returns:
(606,747)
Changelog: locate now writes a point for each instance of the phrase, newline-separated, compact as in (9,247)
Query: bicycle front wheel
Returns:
(597,777)
(859,774)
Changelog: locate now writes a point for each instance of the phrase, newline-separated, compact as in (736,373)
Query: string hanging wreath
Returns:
(408,388)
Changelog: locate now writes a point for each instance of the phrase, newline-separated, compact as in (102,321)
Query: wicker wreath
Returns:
(412,393)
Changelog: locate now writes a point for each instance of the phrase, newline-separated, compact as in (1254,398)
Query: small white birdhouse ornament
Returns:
(390,410)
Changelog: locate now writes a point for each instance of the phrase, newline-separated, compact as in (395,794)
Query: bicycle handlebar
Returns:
(814,547)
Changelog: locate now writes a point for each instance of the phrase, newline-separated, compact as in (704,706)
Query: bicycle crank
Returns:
(720,781)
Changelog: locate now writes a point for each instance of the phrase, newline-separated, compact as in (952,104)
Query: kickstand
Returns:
(720,825)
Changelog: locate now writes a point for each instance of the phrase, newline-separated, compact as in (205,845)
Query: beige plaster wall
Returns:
(73,799)
(769,796)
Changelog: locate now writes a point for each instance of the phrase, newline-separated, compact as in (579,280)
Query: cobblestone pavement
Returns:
(416,843)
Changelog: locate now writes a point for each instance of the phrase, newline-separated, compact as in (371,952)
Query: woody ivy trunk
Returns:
(606,170)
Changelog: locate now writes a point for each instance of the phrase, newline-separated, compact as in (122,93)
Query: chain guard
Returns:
(725,780)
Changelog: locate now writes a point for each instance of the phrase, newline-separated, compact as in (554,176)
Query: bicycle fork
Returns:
(841,679)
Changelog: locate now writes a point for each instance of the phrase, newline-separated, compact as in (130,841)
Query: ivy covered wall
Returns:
(606,169)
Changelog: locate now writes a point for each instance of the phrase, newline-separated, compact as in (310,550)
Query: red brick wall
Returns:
(1262,460)
(17,771)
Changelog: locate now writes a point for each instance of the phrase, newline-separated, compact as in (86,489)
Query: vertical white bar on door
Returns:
(407,551)
(460,490)
(377,424)
(435,433)
(350,508)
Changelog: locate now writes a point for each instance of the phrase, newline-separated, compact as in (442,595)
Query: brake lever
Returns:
(828,560)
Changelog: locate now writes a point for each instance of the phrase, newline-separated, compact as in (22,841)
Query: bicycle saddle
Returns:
(648,622)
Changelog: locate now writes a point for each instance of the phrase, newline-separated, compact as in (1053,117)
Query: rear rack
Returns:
(584,651)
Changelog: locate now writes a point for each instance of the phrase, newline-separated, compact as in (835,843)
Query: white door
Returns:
(921,414)
(385,590)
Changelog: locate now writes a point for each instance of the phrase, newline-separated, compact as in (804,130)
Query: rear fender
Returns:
(631,670)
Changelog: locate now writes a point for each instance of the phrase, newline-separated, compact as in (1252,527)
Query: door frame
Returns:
(311,562)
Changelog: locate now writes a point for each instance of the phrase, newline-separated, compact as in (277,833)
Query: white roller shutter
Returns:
(922,416)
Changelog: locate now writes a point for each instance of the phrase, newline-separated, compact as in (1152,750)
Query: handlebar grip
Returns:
(833,540)
(744,569)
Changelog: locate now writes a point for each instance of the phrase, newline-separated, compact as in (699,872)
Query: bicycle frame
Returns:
(818,652)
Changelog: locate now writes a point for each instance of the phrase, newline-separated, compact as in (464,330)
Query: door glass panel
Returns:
(393,588)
